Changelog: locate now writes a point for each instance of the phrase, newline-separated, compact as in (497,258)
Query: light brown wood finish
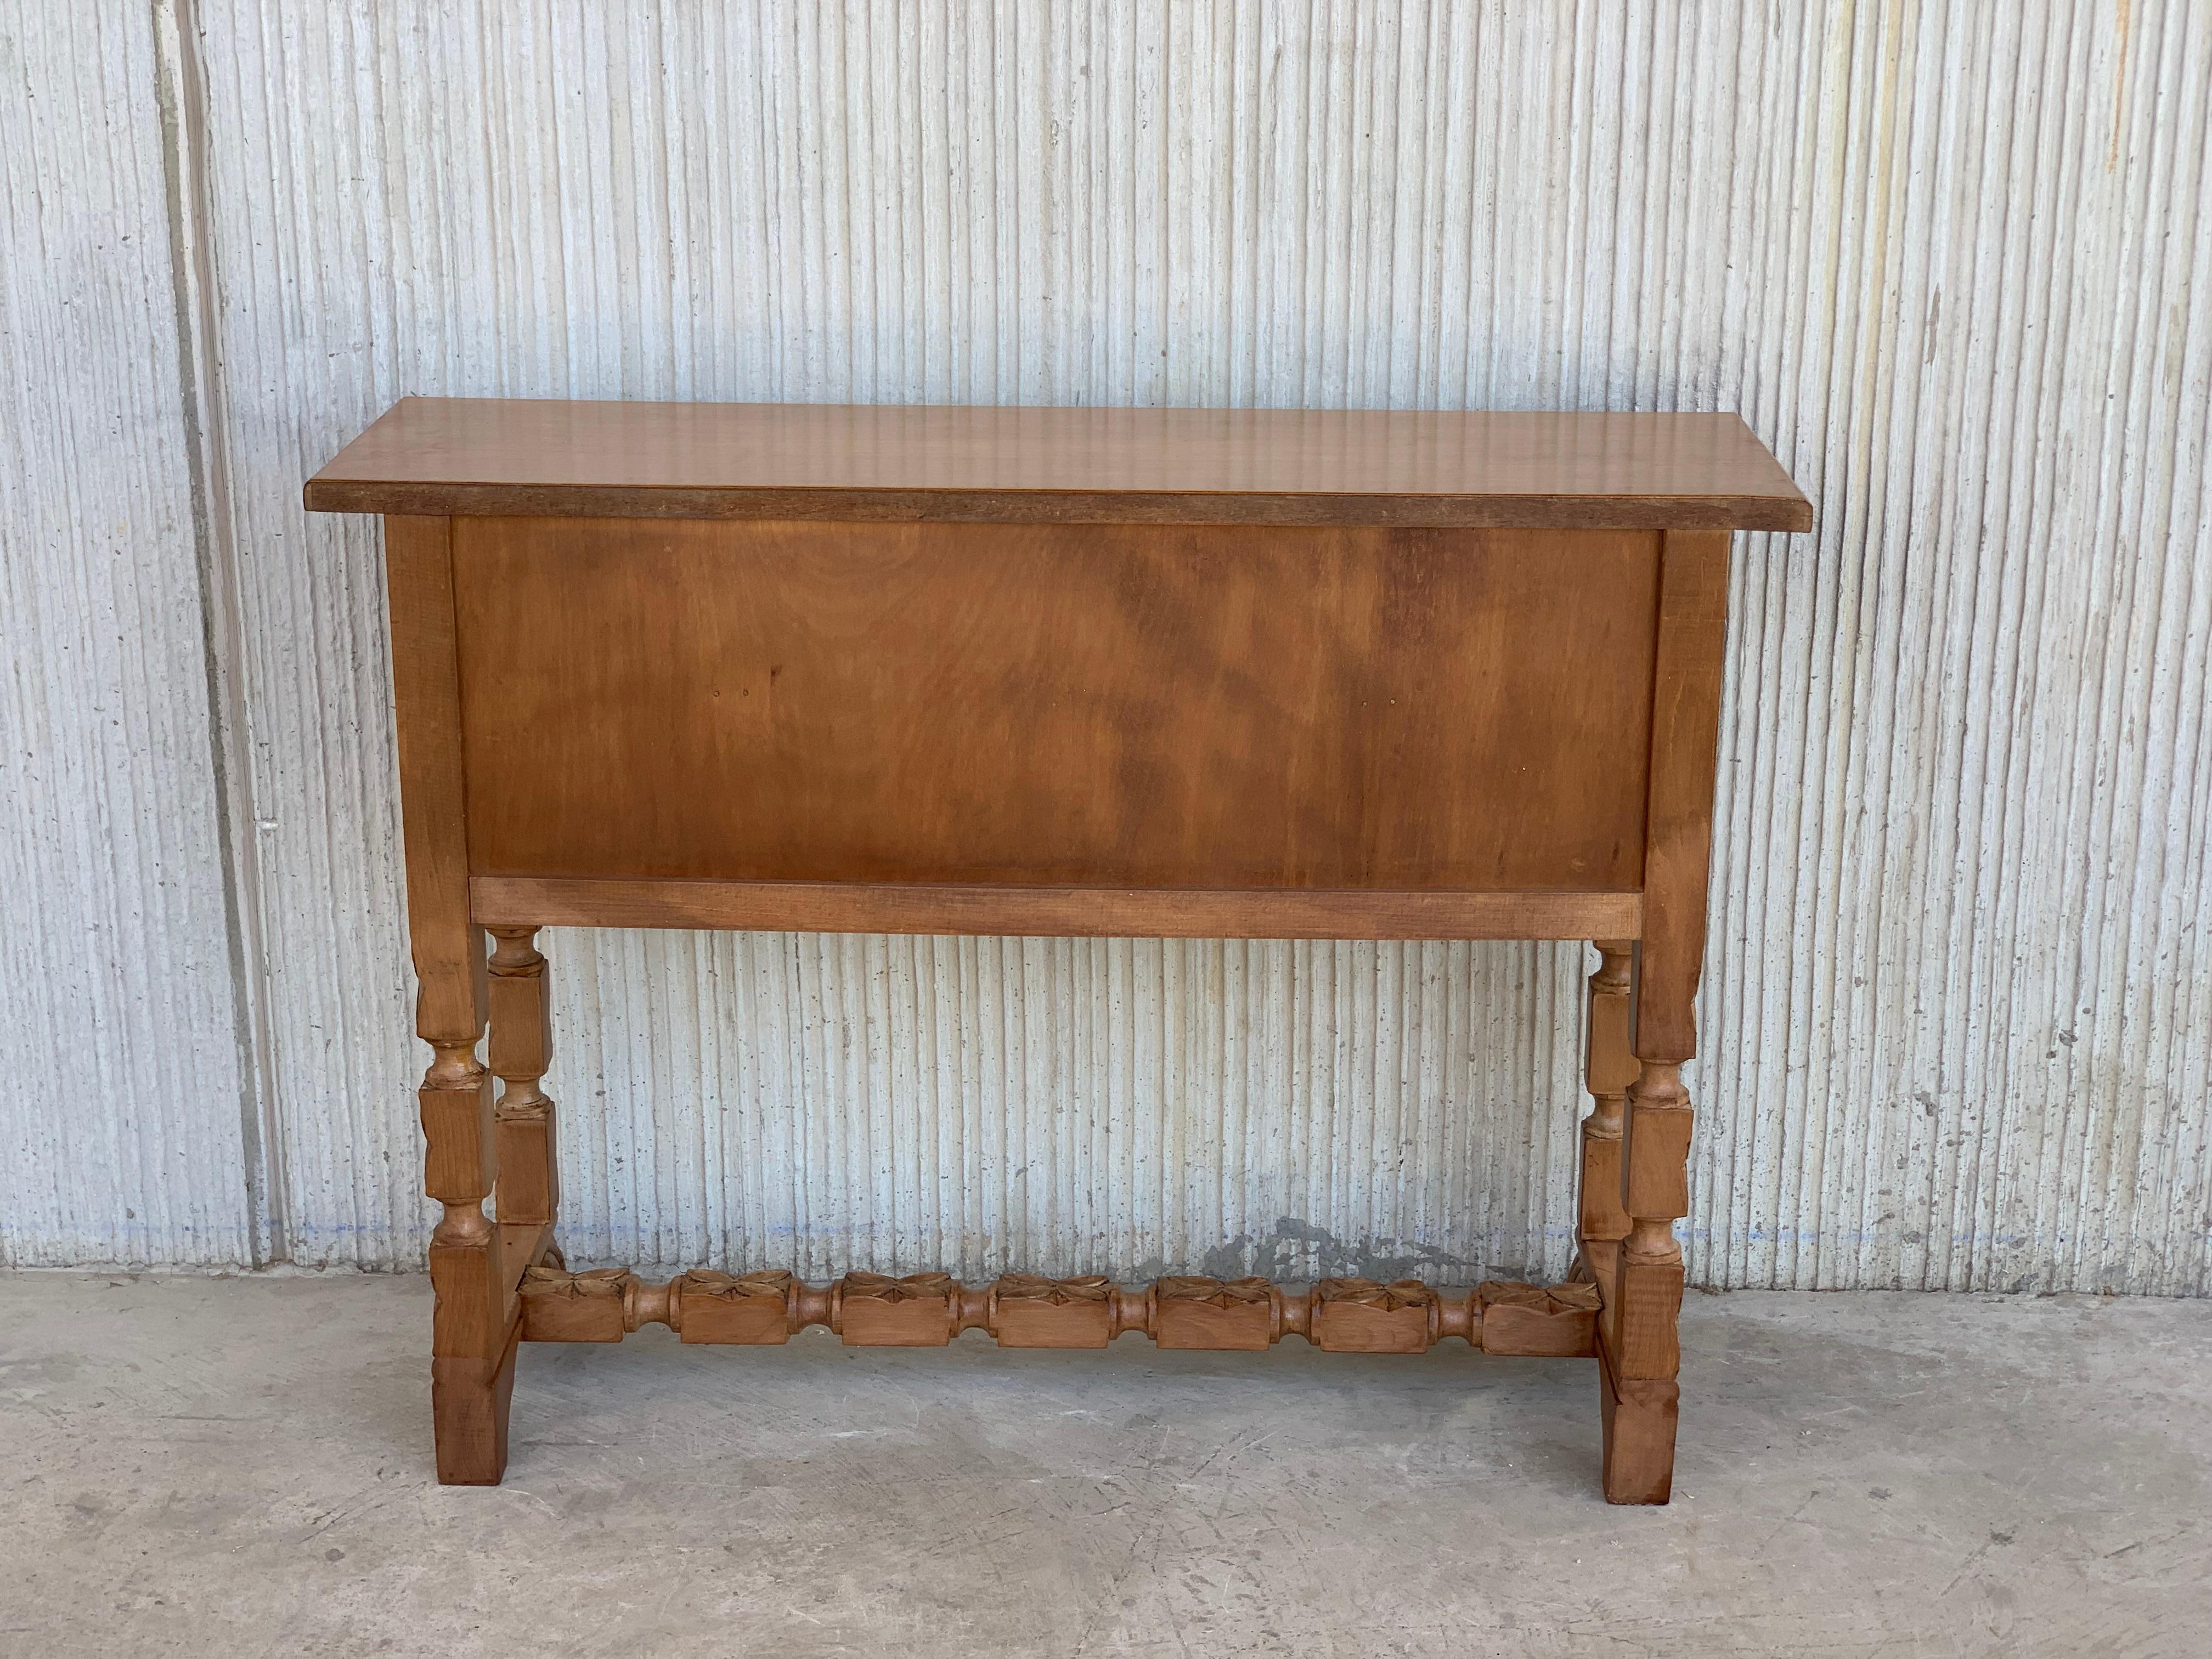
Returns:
(1357,1315)
(1609,1067)
(1093,705)
(473,1330)
(768,1307)
(1685,722)
(1033,912)
(521,1047)
(1642,1353)
(511,458)
(1178,673)
(760,1307)
(448,948)
(1029,1311)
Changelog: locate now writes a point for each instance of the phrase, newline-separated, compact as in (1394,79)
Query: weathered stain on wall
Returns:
(1948,261)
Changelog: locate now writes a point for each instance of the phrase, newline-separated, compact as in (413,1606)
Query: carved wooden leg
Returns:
(1609,1068)
(472,1338)
(473,1331)
(1643,1354)
(1640,1353)
(522,1048)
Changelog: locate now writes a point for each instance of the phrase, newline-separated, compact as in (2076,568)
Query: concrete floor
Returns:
(240,1468)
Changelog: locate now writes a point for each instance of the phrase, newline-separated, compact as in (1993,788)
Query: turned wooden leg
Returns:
(1638,1351)
(1609,1067)
(474,1329)
(1641,1354)
(521,1047)
(472,1338)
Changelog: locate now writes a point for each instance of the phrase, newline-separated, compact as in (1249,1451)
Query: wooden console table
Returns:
(1163,672)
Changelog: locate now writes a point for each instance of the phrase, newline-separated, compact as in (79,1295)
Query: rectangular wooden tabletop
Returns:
(508,457)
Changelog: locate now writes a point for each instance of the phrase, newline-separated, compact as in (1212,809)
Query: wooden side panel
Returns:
(1081,705)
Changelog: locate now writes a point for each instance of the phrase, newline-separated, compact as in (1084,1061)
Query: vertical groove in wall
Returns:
(1957,1022)
(181,104)
(119,1068)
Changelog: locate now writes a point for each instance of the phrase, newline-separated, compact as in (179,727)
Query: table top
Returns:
(513,457)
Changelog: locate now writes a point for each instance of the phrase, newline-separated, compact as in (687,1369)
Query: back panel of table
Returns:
(1082,705)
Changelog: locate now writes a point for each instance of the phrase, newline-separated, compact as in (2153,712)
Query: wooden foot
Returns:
(1640,1416)
(469,1400)
(472,1325)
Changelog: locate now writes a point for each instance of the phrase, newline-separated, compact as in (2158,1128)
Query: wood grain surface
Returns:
(447,948)
(769,1306)
(1051,912)
(1692,648)
(1086,706)
(519,457)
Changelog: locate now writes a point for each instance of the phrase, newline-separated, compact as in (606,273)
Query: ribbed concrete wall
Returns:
(1942,257)
(123,1109)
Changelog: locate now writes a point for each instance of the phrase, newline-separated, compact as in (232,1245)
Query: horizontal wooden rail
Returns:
(1080,912)
(1022,1310)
